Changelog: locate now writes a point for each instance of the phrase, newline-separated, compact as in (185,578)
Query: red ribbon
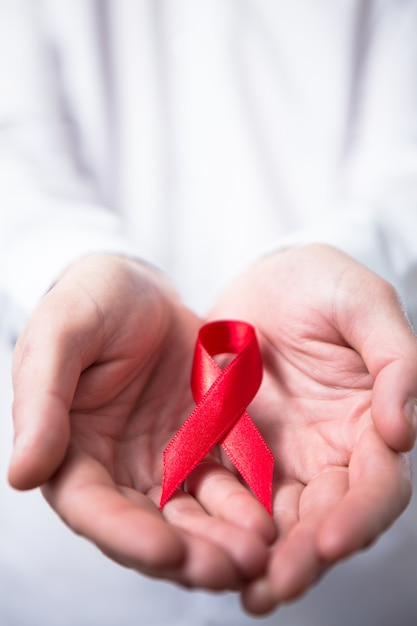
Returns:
(220,415)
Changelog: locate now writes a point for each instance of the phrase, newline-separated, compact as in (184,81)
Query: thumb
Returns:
(394,403)
(46,368)
(382,335)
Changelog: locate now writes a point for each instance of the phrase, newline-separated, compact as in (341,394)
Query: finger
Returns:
(46,369)
(295,562)
(258,597)
(222,495)
(286,505)
(380,489)
(384,338)
(128,527)
(247,550)
(205,564)
(394,409)
(85,497)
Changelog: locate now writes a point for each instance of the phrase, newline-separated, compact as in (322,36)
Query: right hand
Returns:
(101,383)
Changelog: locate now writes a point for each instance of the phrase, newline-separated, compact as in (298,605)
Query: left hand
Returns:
(340,375)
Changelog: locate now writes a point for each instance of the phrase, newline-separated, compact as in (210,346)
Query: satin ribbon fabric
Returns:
(220,416)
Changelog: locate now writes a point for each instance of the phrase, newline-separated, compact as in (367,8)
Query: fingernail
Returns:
(19,445)
(16,453)
(410,412)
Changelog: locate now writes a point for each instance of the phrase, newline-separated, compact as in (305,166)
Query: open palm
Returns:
(102,383)
(339,364)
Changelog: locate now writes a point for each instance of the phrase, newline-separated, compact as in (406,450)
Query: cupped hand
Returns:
(102,382)
(336,407)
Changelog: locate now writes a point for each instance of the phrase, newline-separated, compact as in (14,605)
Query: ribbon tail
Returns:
(248,451)
(211,419)
(171,480)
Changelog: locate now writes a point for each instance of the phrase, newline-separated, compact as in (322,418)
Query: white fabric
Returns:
(199,134)
(205,131)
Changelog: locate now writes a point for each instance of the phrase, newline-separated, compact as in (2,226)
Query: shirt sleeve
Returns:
(50,210)
(374,216)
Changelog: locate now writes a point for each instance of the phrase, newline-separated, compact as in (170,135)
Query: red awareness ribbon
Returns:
(220,416)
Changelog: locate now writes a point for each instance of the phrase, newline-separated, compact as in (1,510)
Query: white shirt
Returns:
(197,134)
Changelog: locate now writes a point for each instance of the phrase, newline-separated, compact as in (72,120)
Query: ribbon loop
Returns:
(220,415)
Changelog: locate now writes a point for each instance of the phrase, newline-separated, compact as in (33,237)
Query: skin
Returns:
(101,378)
(101,382)
(340,370)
